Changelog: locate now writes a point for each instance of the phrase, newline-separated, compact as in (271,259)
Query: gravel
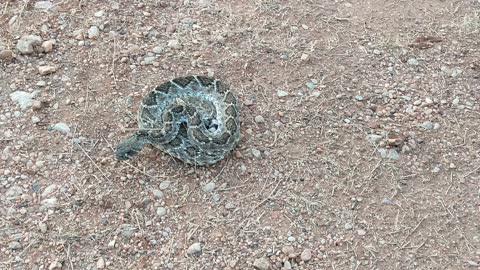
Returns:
(374,138)
(6,55)
(261,264)
(157,193)
(157,50)
(61,127)
(14,245)
(259,119)
(26,44)
(43,5)
(93,32)
(22,98)
(427,125)
(306,255)
(361,232)
(49,203)
(256,153)
(297,163)
(164,185)
(45,70)
(161,211)
(48,46)
(174,43)
(281,93)
(100,263)
(209,187)
(412,62)
(194,249)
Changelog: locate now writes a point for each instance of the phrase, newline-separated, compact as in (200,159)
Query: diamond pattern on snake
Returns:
(195,119)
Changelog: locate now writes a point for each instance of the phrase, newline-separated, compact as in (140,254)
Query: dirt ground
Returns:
(360,135)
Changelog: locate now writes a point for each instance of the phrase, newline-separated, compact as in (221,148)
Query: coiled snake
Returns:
(194,118)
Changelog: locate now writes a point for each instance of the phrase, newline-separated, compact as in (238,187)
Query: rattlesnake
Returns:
(194,118)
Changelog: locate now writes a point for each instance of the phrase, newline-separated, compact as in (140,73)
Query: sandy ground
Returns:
(360,135)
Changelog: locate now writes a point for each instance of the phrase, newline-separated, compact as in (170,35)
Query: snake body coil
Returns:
(194,118)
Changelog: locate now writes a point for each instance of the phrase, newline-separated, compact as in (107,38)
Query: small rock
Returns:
(405,149)
(304,57)
(24,99)
(361,232)
(194,249)
(281,93)
(261,264)
(374,138)
(472,264)
(14,245)
(188,21)
(456,101)
(48,190)
(393,154)
(157,193)
(287,265)
(128,230)
(150,59)
(288,250)
(427,125)
(45,70)
(161,211)
(291,239)
(348,226)
(164,185)
(99,13)
(61,127)
(230,206)
(101,263)
(43,5)
(412,62)
(173,43)
(446,70)
(436,169)
(387,201)
(259,119)
(47,46)
(36,187)
(456,72)
(49,203)
(111,244)
(311,85)
(216,197)
(6,55)
(256,153)
(93,32)
(359,98)
(377,52)
(41,83)
(26,43)
(315,94)
(209,187)
(42,227)
(306,255)
(55,265)
(436,126)
(389,153)
(157,50)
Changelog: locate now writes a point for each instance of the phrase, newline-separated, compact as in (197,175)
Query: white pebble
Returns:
(93,32)
(161,211)
(194,249)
